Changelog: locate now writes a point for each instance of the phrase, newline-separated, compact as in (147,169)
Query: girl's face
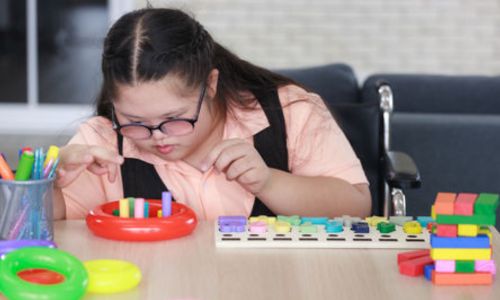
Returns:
(151,103)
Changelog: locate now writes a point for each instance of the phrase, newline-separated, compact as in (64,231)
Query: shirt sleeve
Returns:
(90,190)
(316,144)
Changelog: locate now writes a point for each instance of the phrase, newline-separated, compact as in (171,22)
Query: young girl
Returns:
(179,112)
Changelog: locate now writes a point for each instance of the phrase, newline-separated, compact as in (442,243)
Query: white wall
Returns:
(433,36)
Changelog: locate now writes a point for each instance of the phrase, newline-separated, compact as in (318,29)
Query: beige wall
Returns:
(434,36)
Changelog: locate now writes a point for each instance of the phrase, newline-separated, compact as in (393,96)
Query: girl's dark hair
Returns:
(147,44)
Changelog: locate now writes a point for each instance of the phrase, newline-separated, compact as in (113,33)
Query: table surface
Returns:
(193,268)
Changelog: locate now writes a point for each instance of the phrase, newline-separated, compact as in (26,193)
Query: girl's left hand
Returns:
(240,161)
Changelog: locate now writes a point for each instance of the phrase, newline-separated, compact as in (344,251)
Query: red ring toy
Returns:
(102,223)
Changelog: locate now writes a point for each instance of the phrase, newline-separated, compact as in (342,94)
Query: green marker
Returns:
(25,166)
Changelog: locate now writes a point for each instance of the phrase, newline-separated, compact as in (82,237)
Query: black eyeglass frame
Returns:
(118,127)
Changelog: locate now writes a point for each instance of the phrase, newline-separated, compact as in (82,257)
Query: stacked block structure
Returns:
(461,240)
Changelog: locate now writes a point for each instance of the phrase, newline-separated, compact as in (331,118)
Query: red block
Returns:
(447,230)
(464,205)
(415,267)
(404,256)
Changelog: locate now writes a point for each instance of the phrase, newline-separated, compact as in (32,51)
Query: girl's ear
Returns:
(212,81)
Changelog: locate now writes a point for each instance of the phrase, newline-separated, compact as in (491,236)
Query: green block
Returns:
(308,228)
(475,219)
(131,206)
(464,266)
(116,212)
(486,204)
(385,227)
(292,220)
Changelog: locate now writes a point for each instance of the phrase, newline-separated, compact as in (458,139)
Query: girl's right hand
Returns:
(74,159)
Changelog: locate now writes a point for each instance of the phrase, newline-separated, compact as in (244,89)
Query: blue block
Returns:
(360,227)
(315,220)
(334,227)
(428,271)
(424,221)
(481,241)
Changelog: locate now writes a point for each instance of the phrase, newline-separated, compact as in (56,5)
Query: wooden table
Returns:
(192,268)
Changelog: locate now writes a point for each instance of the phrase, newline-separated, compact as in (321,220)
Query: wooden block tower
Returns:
(461,239)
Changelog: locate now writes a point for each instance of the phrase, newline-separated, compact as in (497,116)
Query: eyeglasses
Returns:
(174,127)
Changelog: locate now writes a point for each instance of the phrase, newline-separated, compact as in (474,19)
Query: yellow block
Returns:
(282,227)
(265,219)
(159,213)
(460,254)
(468,230)
(412,227)
(124,208)
(374,220)
(433,212)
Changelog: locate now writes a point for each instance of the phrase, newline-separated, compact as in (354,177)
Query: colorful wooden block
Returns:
(475,219)
(400,220)
(334,226)
(464,205)
(445,203)
(315,220)
(373,221)
(412,255)
(468,230)
(308,228)
(292,220)
(433,212)
(412,227)
(464,266)
(444,266)
(360,227)
(424,220)
(460,254)
(124,208)
(258,227)
(486,204)
(265,219)
(282,227)
(428,272)
(241,220)
(485,266)
(480,241)
(414,267)
(486,231)
(461,278)
(446,230)
(385,227)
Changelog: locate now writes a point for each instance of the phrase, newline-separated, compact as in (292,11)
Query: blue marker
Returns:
(166,204)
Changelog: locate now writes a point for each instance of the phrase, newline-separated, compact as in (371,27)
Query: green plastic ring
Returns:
(13,287)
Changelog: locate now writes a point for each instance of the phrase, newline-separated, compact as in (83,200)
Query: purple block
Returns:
(240,220)
(445,266)
(228,227)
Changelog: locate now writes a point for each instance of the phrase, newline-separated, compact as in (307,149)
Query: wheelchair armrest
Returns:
(401,171)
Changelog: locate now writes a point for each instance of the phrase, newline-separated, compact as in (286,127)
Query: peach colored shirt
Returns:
(316,146)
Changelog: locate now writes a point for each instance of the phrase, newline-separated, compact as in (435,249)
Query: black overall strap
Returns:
(139,178)
(271,142)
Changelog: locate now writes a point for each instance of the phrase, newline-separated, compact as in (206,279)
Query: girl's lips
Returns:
(165,149)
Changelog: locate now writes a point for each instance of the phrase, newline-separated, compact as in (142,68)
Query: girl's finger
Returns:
(230,154)
(216,151)
(239,167)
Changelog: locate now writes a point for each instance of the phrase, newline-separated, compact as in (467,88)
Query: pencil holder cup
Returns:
(26,210)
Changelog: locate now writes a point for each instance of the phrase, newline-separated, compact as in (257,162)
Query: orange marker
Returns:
(5,170)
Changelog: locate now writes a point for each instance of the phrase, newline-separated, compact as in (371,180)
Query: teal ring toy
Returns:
(13,287)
